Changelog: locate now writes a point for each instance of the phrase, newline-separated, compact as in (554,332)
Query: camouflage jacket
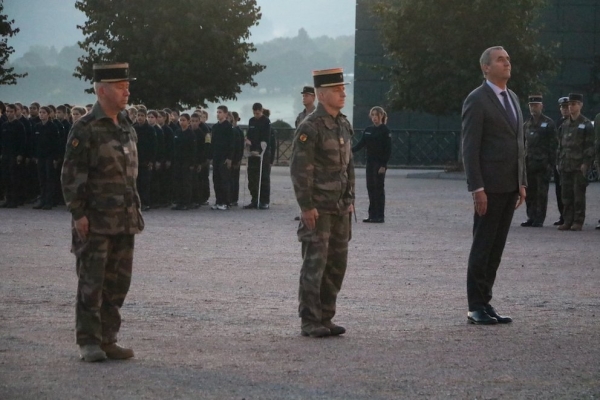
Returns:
(322,167)
(576,146)
(301,116)
(99,174)
(541,142)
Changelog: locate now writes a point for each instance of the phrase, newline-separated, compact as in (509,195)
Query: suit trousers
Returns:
(489,237)
(46,175)
(538,182)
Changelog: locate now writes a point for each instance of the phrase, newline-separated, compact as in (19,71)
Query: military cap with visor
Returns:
(563,101)
(308,90)
(535,98)
(110,73)
(329,77)
(575,97)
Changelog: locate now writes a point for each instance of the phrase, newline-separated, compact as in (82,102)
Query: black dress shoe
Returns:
(480,317)
(368,220)
(529,222)
(263,206)
(377,220)
(501,319)
(559,222)
(251,206)
(598,226)
(38,205)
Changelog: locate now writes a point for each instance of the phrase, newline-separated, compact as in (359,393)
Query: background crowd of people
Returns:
(176,152)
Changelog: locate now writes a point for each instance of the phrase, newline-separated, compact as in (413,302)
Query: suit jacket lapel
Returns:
(492,95)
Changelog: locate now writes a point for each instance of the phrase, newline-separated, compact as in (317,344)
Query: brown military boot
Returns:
(564,227)
(91,353)
(116,352)
(577,227)
(333,328)
(314,329)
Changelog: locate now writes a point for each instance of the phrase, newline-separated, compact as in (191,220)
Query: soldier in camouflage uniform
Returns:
(99,186)
(308,101)
(575,156)
(541,142)
(322,172)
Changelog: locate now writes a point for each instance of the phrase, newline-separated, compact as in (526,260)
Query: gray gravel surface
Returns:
(211,313)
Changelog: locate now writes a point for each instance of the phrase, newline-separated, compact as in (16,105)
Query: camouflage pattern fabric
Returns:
(99,174)
(325,256)
(575,149)
(99,182)
(104,264)
(322,172)
(322,167)
(541,142)
(576,146)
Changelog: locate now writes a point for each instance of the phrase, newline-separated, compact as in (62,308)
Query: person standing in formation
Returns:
(308,101)
(322,172)
(223,145)
(99,186)
(541,143)
(563,104)
(238,154)
(259,132)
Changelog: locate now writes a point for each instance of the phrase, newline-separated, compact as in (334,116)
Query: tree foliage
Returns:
(8,76)
(433,49)
(182,52)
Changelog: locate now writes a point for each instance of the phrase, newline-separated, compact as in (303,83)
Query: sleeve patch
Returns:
(75,142)
(303,137)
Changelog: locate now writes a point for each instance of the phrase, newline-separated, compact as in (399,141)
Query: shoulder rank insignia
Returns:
(303,137)
(75,142)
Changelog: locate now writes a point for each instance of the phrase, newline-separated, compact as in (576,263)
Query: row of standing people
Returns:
(32,147)
(176,152)
(565,149)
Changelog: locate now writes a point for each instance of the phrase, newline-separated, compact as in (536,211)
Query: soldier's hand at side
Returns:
(228,163)
(82,226)
(584,169)
(480,202)
(309,218)
(381,170)
(522,195)
(351,208)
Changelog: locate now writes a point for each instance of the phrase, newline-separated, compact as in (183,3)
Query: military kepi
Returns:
(112,72)
(575,97)
(328,77)
(308,90)
(535,98)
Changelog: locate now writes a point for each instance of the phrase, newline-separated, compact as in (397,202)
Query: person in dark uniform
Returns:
(13,141)
(238,154)
(378,142)
(185,160)
(223,145)
(563,104)
(259,131)
(159,162)
(196,119)
(147,145)
(26,172)
(597,133)
(205,159)
(47,151)
(166,179)
(541,142)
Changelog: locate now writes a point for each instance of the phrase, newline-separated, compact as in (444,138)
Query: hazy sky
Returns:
(54,22)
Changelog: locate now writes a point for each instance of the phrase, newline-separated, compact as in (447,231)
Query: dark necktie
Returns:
(509,110)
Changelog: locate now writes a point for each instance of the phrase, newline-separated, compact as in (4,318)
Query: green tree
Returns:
(433,49)
(183,53)
(7,74)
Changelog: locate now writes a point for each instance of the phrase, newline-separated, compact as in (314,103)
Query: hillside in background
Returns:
(289,62)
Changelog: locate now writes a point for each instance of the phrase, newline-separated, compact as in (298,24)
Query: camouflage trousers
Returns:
(324,255)
(104,264)
(537,194)
(574,185)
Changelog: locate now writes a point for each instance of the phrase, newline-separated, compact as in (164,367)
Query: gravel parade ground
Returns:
(212,309)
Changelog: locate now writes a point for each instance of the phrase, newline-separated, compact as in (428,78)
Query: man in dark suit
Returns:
(494,160)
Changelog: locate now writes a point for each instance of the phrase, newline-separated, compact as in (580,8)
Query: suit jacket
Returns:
(493,152)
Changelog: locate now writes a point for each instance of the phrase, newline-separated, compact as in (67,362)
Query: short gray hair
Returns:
(486,56)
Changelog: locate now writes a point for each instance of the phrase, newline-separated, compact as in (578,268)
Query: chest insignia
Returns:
(341,140)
